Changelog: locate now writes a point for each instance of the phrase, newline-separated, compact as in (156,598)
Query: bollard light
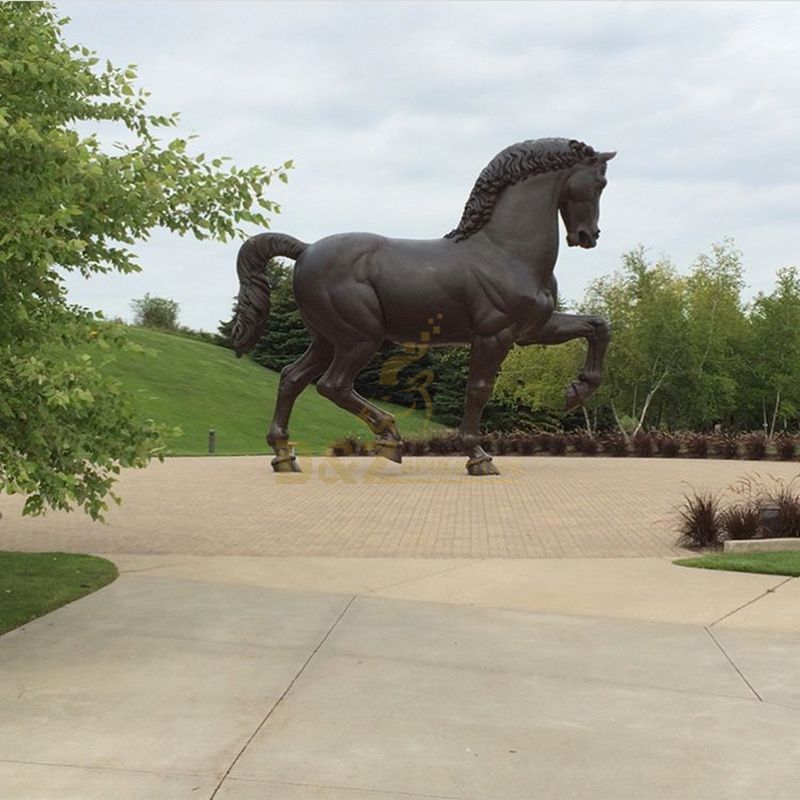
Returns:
(770,520)
(212,440)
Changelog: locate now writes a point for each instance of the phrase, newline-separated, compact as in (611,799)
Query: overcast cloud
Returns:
(391,109)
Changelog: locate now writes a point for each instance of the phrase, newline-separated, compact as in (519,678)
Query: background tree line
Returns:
(688,352)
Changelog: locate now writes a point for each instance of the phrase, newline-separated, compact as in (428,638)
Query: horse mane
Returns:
(514,164)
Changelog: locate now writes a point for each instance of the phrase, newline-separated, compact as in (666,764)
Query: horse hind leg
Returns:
(337,385)
(294,378)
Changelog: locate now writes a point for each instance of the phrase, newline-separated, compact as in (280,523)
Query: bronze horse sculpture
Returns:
(489,284)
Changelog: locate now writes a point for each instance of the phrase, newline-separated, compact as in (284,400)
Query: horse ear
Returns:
(606,156)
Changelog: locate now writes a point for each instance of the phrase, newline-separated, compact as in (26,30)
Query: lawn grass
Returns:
(782,562)
(195,386)
(32,584)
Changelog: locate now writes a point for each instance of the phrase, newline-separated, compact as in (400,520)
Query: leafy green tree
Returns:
(285,338)
(645,304)
(68,204)
(155,312)
(708,391)
(449,368)
(536,378)
(773,372)
(682,345)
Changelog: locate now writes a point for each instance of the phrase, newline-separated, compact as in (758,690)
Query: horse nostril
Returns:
(597,234)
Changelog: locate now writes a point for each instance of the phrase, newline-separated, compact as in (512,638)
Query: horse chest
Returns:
(531,312)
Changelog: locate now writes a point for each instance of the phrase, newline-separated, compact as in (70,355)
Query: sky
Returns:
(391,109)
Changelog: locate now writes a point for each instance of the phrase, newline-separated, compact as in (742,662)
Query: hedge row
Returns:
(687,444)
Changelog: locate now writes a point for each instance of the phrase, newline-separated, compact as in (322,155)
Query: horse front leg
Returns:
(485,358)
(562,328)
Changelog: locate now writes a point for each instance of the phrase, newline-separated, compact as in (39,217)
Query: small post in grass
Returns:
(212,440)
(771,520)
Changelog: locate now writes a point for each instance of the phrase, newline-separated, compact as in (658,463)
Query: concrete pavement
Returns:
(646,589)
(158,688)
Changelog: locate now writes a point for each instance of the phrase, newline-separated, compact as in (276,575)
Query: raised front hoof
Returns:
(389,449)
(285,464)
(482,466)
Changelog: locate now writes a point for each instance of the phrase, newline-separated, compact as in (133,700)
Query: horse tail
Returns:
(253,303)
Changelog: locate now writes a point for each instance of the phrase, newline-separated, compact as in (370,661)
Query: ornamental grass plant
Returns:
(696,444)
(699,524)
(741,521)
(668,445)
(642,443)
(706,520)
(785,447)
(755,446)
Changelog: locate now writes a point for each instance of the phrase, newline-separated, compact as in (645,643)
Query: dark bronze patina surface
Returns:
(488,284)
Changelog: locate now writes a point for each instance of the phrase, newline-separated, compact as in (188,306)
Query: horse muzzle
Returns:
(582,238)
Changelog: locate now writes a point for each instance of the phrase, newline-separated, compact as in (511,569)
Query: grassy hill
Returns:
(196,386)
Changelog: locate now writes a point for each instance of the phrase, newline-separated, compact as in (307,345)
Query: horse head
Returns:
(580,201)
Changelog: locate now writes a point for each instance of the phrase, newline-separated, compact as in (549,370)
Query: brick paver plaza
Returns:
(540,507)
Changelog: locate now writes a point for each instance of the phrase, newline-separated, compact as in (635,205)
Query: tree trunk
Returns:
(618,421)
(647,401)
(649,398)
(588,422)
(775,414)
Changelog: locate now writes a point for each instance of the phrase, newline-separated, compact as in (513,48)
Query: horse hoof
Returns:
(389,448)
(285,464)
(482,466)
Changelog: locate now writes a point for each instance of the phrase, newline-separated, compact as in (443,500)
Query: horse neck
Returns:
(524,221)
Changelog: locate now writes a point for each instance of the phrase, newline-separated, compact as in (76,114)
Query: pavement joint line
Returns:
(468,563)
(550,676)
(790,706)
(102,768)
(393,792)
(771,590)
(144,569)
(733,664)
(285,692)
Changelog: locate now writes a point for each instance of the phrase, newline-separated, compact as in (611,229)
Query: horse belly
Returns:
(423,317)
(421,286)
